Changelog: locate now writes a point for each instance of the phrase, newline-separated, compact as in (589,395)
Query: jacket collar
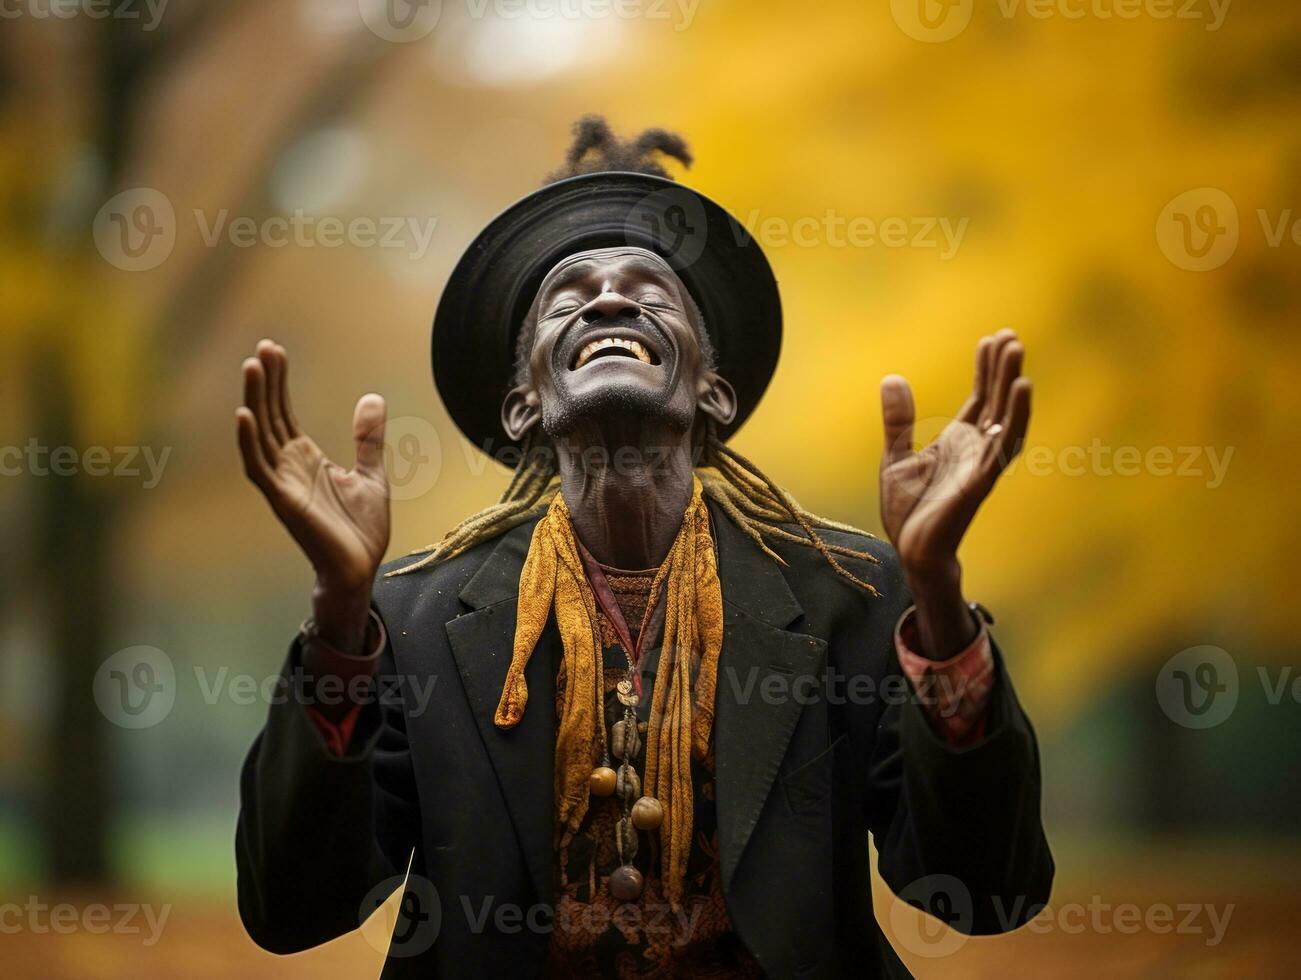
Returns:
(498,577)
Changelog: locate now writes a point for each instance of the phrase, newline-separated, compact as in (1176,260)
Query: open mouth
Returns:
(604,347)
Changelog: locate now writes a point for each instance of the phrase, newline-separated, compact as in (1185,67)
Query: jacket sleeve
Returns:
(957,828)
(309,846)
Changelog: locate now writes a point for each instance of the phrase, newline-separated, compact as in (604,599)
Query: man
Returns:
(639,717)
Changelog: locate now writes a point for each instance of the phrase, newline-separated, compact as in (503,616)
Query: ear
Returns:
(715,398)
(520,411)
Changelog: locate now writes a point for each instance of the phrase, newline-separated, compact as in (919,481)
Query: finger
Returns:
(1010,357)
(250,449)
(272,365)
(1016,422)
(970,410)
(286,408)
(255,398)
(368,431)
(897,414)
(994,356)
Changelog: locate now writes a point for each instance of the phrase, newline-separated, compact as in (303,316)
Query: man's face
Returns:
(614,337)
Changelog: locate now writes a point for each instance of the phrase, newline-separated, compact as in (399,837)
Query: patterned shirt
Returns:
(595,933)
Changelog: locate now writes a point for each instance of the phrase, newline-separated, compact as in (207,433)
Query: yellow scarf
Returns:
(680,724)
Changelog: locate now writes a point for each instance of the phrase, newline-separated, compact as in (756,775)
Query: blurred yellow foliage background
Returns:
(1049,145)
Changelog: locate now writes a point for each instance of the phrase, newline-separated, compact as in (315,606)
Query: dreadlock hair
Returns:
(757,505)
(597,150)
(753,501)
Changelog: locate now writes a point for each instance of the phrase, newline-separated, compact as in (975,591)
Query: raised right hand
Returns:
(339,517)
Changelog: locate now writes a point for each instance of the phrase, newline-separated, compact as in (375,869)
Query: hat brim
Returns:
(494,283)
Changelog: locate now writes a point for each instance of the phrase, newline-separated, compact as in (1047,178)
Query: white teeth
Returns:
(632,346)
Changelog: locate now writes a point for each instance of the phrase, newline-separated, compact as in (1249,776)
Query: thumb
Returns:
(368,432)
(897,414)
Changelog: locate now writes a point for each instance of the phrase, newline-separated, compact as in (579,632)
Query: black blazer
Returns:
(814,748)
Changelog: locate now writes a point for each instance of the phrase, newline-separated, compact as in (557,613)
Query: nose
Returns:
(609,304)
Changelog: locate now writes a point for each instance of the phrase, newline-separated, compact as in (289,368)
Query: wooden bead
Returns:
(602,781)
(628,784)
(647,814)
(626,884)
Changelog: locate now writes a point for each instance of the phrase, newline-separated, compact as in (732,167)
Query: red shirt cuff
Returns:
(954,693)
(337,683)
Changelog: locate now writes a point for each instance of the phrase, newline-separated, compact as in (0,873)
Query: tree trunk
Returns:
(74,521)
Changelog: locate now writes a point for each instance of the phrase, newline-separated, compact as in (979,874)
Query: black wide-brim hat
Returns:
(493,285)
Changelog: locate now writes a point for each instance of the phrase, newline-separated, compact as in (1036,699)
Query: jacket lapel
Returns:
(523,757)
(752,730)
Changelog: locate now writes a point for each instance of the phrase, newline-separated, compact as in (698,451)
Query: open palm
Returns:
(338,516)
(929,496)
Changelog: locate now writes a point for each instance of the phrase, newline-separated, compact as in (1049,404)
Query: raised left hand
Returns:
(929,497)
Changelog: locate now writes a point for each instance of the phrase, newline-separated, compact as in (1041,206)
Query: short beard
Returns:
(561,418)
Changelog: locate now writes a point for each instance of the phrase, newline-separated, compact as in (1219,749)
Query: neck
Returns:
(627,484)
